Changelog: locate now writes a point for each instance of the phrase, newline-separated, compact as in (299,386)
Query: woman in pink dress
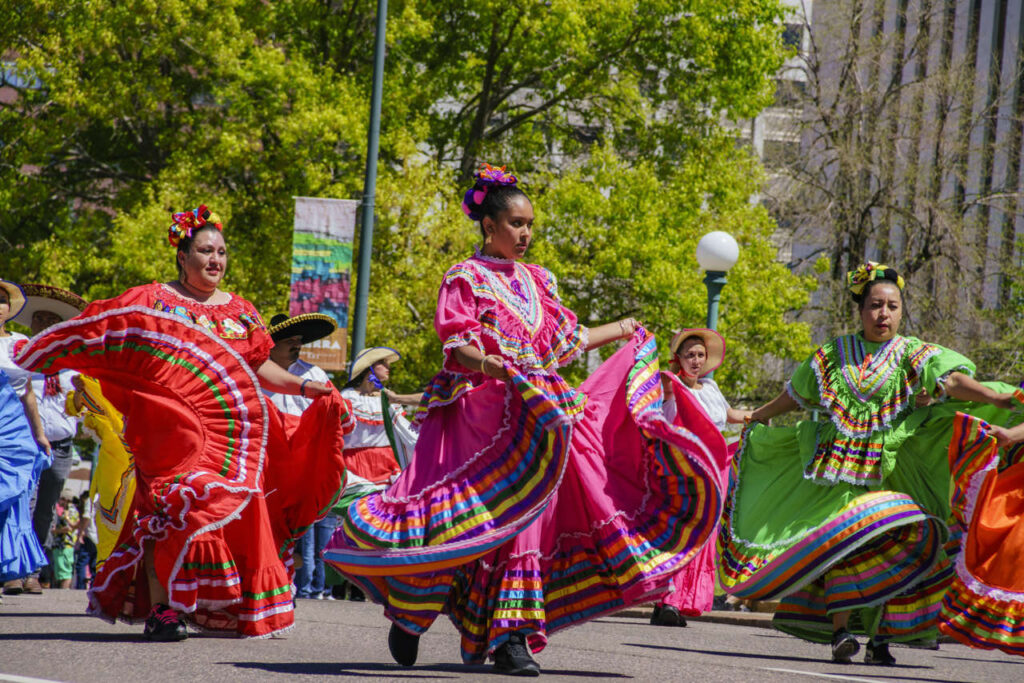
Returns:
(530,505)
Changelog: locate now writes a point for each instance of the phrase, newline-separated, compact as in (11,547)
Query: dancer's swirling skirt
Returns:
(214,464)
(516,516)
(984,607)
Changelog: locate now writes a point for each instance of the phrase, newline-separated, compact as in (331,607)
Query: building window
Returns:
(779,153)
(789,93)
(793,35)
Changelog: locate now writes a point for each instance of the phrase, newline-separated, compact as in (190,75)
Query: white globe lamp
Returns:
(717,251)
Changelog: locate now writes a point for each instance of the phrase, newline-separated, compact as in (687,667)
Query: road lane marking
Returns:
(834,677)
(11,678)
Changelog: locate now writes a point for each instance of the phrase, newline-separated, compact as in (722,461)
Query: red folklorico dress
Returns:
(221,486)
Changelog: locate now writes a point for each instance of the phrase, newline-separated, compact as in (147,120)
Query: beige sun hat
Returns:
(16,296)
(369,356)
(713,342)
(61,302)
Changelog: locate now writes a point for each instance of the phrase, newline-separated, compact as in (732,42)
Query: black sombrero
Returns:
(309,326)
(61,302)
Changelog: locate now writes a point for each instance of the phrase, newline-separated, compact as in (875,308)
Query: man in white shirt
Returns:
(46,306)
(289,334)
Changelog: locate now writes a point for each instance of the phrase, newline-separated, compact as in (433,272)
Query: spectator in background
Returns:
(65,534)
(87,540)
(289,334)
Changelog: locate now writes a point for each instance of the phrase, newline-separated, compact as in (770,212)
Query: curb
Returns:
(752,619)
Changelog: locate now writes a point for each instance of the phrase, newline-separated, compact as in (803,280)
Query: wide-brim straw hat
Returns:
(16,296)
(370,356)
(55,300)
(309,326)
(714,343)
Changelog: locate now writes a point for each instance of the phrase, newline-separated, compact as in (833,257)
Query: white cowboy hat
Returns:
(15,295)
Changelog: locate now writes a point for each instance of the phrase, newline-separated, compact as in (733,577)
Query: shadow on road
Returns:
(982,661)
(751,655)
(393,671)
(36,615)
(76,637)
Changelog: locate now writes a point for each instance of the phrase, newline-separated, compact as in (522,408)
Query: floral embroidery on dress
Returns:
(518,293)
(845,363)
(226,328)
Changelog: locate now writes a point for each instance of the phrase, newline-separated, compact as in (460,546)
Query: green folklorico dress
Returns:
(850,513)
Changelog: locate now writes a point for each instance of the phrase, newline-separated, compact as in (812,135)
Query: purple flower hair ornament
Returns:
(487,177)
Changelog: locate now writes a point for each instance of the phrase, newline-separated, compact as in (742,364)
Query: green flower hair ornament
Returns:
(867,272)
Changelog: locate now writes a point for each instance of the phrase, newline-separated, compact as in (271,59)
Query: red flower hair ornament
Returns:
(187,222)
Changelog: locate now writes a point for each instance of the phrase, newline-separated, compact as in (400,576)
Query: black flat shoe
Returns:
(878,654)
(514,658)
(163,625)
(666,615)
(404,646)
(844,646)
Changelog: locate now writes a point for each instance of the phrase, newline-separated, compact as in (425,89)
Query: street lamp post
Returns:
(369,186)
(717,252)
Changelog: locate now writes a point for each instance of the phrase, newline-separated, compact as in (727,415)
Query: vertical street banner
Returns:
(321,272)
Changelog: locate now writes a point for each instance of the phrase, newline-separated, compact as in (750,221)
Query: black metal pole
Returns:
(369,187)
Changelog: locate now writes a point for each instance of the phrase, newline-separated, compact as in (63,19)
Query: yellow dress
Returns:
(113,476)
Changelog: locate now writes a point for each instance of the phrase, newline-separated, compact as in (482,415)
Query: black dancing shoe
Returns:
(355,594)
(667,615)
(404,646)
(878,654)
(844,646)
(163,625)
(514,658)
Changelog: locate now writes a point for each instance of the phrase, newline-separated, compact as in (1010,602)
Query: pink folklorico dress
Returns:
(695,585)
(530,505)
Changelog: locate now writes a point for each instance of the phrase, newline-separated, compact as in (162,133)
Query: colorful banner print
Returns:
(321,271)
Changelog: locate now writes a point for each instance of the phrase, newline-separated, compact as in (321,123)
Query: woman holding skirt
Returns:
(845,519)
(221,492)
(529,506)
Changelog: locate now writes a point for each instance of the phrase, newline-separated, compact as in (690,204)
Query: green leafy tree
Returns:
(611,111)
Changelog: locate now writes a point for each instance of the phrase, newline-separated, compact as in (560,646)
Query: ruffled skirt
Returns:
(984,607)
(221,479)
(527,519)
(882,552)
(21,462)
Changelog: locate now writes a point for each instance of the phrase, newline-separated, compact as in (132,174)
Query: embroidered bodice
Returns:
(236,321)
(867,389)
(511,310)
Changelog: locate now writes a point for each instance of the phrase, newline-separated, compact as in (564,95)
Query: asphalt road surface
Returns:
(49,638)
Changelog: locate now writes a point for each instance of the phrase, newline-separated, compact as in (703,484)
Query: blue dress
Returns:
(21,461)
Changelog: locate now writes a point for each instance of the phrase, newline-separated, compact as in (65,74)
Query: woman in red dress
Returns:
(218,503)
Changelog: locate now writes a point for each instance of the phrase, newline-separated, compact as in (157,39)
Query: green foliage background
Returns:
(610,112)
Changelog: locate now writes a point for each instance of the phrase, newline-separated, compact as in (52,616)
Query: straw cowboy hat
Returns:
(309,326)
(54,300)
(15,295)
(713,342)
(370,356)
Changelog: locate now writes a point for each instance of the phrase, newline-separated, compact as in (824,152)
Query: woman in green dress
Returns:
(844,519)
